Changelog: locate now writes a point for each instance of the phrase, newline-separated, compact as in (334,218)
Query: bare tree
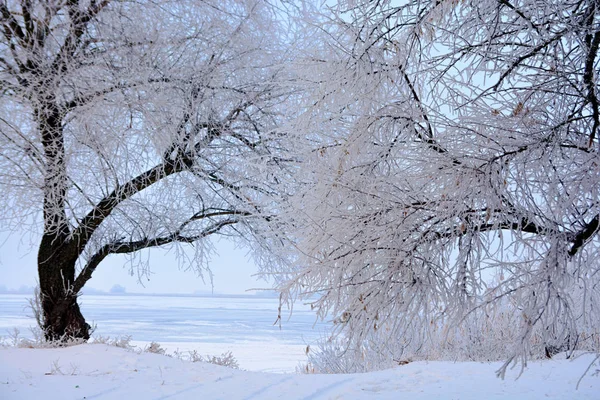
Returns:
(129,125)
(451,169)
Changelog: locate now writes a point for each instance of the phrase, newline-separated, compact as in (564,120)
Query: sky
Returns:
(232,268)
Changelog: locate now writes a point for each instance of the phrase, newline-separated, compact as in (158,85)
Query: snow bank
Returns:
(107,372)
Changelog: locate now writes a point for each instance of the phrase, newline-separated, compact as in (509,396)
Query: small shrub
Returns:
(225,359)
(155,348)
(123,342)
(14,339)
(37,341)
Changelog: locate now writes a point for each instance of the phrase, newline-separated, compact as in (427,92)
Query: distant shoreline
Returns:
(263,295)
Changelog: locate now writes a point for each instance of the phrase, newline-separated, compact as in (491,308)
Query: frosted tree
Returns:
(451,173)
(127,125)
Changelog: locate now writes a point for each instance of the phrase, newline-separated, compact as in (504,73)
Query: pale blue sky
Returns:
(232,268)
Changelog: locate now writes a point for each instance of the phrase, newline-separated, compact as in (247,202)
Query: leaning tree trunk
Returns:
(57,255)
(61,316)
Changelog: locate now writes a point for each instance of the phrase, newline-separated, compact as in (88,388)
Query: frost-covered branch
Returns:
(449,172)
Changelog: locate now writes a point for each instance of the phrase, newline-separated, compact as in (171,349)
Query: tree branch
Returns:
(11,26)
(105,207)
(29,26)
(524,57)
(81,100)
(583,235)
(133,246)
(519,13)
(588,79)
(79,21)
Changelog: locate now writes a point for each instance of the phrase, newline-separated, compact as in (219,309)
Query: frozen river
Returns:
(209,325)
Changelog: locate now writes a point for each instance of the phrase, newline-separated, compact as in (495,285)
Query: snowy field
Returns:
(209,325)
(244,326)
(102,372)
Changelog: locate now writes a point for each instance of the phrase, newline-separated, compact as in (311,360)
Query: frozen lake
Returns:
(209,325)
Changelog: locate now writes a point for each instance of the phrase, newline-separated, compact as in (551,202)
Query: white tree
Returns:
(126,125)
(451,172)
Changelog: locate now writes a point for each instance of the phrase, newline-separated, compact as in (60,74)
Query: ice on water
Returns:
(210,325)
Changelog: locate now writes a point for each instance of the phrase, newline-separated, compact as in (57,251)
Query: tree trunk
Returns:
(61,316)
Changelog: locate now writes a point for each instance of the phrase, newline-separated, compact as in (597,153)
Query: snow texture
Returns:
(107,372)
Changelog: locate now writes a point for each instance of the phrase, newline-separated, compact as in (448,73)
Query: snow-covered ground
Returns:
(98,371)
(243,326)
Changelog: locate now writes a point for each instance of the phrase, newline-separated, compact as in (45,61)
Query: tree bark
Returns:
(62,318)
(57,255)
